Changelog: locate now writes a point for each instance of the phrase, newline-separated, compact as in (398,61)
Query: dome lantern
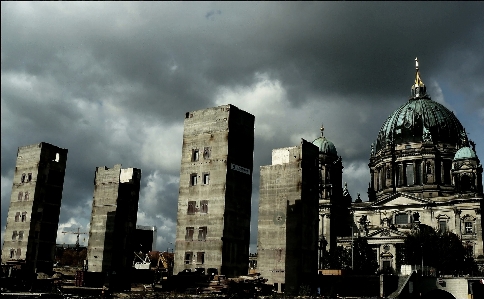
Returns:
(418,88)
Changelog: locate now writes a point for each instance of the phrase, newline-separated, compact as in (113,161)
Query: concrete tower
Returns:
(213,223)
(288,218)
(113,220)
(33,216)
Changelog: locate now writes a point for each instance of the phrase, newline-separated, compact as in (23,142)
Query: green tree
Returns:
(364,259)
(441,250)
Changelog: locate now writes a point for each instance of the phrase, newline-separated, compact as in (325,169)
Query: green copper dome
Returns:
(325,146)
(465,153)
(421,119)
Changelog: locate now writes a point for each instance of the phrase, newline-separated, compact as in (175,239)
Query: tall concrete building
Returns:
(113,219)
(213,223)
(35,202)
(288,218)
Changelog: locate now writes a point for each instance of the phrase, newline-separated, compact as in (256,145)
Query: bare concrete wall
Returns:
(215,191)
(288,216)
(113,218)
(35,202)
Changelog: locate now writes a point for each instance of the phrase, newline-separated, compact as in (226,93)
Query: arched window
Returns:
(465,183)
(24,216)
(20,196)
(26,196)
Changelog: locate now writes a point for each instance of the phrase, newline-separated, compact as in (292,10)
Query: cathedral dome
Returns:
(325,146)
(420,119)
(465,153)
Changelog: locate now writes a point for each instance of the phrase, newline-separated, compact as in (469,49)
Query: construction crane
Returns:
(76,233)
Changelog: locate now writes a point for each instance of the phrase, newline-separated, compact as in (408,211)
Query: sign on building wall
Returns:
(239,168)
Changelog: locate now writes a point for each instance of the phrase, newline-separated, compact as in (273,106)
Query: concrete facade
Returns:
(33,215)
(288,218)
(213,219)
(113,219)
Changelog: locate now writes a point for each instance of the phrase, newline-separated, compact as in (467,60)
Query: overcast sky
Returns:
(111,82)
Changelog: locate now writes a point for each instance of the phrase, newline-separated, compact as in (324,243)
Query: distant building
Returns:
(144,239)
(214,203)
(288,218)
(113,219)
(35,202)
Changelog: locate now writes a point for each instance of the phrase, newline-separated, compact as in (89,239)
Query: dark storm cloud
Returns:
(111,81)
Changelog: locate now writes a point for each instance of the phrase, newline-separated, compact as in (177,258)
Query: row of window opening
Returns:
(196,153)
(25,178)
(202,233)
(23,196)
(193,208)
(15,252)
(194,179)
(17,236)
(21,217)
(189,257)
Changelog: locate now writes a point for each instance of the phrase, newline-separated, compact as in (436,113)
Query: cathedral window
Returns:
(409,174)
(418,173)
(401,218)
(468,227)
(443,225)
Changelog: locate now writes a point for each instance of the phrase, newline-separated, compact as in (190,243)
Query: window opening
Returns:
(206,178)
(443,225)
(12,253)
(468,227)
(29,177)
(26,196)
(20,196)
(17,217)
(204,206)
(19,251)
(14,235)
(24,216)
(206,152)
(417,173)
(195,155)
(191,207)
(429,168)
(20,235)
(193,179)
(189,234)
(401,219)
(188,258)
(200,257)
(22,179)
(202,233)
(57,158)
(409,174)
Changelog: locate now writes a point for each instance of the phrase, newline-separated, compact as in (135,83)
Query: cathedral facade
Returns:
(424,171)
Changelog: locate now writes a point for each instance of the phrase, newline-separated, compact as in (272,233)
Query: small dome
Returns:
(325,146)
(465,153)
